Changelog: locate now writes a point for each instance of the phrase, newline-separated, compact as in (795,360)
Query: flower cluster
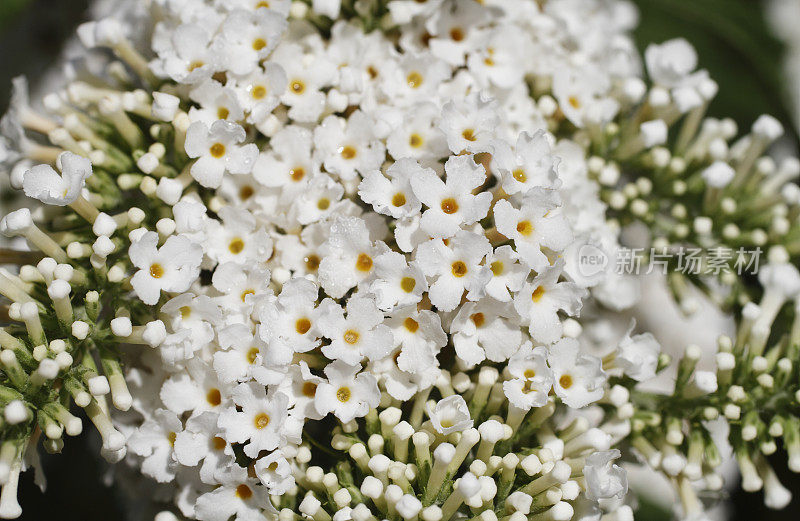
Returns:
(328,256)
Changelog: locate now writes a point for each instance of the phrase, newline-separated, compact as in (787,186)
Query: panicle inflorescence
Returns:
(354,235)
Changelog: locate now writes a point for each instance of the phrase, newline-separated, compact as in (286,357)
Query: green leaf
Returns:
(9,9)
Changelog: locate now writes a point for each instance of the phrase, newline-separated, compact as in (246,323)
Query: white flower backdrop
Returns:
(329,260)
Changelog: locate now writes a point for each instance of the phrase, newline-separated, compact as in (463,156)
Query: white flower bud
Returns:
(165,106)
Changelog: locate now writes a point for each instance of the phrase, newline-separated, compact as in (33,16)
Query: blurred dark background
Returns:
(734,44)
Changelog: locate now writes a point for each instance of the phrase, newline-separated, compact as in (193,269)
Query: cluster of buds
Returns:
(695,186)
(432,460)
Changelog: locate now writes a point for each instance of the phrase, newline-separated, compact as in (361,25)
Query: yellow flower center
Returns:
(519,175)
(350,336)
(449,206)
(324,203)
(236,245)
(259,43)
(411,325)
(252,354)
(363,262)
(297,86)
(245,293)
(217,150)
(302,325)
(478,319)
(408,284)
(348,152)
(457,34)
(537,294)
(312,262)
(261,420)
(469,134)
(186,312)
(497,268)
(309,389)
(565,381)
(459,269)
(343,394)
(525,228)
(214,397)
(297,173)
(414,79)
(259,92)
(415,140)
(246,192)
(156,271)
(243,492)
(399,199)
(223,113)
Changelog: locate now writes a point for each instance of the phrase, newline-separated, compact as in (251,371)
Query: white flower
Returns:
(321,199)
(239,497)
(532,380)
(508,274)
(172,267)
(417,136)
(470,124)
(417,78)
(260,92)
(291,319)
(275,473)
(198,314)
(240,286)
(581,95)
(455,267)
(397,283)
(603,479)
(349,256)
(539,302)
(199,442)
(247,357)
(360,334)
(638,355)
(347,393)
(348,147)
(529,165)
(306,77)
(260,422)
(216,102)
(300,386)
(184,53)
(420,336)
(671,63)
(578,378)
(237,238)
(393,196)
(196,389)
(217,150)
(451,203)
(538,223)
(247,37)
(154,441)
(483,331)
(450,415)
(288,163)
(43,183)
